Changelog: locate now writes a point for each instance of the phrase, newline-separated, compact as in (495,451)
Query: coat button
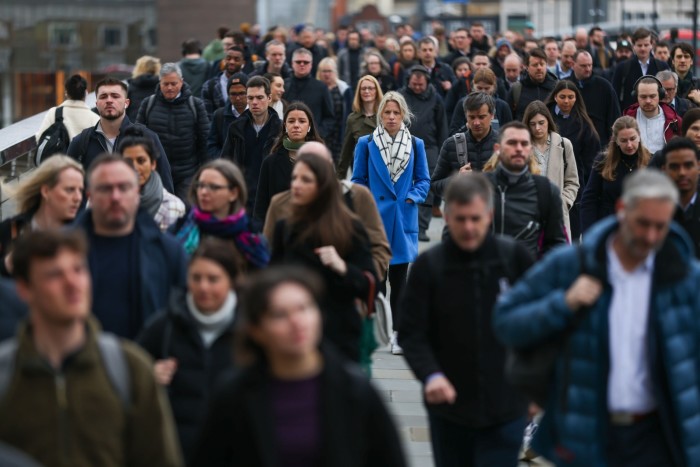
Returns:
(381,198)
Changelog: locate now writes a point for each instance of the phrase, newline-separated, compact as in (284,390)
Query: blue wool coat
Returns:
(574,429)
(399,217)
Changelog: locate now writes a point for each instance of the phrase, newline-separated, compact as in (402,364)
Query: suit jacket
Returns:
(628,72)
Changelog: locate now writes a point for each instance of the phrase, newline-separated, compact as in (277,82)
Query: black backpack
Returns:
(53,140)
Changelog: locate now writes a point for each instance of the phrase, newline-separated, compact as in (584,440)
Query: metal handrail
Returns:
(17,150)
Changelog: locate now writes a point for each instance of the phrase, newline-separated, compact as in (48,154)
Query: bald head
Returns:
(567,55)
(314,147)
(581,38)
(512,66)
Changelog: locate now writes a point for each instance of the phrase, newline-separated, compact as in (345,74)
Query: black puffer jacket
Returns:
(429,121)
(531,91)
(183,135)
(140,88)
(173,333)
(478,152)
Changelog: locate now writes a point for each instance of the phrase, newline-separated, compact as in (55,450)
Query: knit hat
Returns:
(501,42)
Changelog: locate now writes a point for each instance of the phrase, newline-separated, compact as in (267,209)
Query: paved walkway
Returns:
(403,393)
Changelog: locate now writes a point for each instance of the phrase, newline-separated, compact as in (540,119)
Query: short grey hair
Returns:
(665,75)
(393,96)
(476,100)
(302,51)
(169,68)
(273,43)
(464,188)
(648,184)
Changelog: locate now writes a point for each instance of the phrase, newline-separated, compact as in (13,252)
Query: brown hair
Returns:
(578,111)
(326,220)
(535,108)
(234,177)
(609,163)
(312,135)
(44,244)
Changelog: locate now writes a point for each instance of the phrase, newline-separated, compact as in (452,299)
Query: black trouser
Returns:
(458,446)
(398,273)
(640,444)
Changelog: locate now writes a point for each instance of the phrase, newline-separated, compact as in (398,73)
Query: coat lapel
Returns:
(378,164)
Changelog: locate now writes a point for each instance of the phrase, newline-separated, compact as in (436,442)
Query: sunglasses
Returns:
(302,62)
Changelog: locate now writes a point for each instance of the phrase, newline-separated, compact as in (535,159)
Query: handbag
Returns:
(530,370)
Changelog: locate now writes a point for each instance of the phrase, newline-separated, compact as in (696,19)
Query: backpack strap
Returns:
(58,116)
(461,146)
(517,90)
(116,366)
(150,102)
(84,141)
(8,355)
(544,197)
(219,122)
(193,106)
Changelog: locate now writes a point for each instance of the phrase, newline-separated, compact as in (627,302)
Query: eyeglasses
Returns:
(209,186)
(368,88)
(670,89)
(302,62)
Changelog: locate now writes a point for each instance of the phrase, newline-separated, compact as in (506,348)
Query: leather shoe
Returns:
(423,236)
(437,212)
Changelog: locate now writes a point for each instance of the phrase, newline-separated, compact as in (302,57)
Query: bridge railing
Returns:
(17,150)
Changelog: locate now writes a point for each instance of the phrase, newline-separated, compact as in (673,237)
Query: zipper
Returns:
(62,400)
(503,208)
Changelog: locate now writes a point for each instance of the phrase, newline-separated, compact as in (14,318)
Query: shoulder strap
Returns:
(150,102)
(167,337)
(517,90)
(193,106)
(461,146)
(59,114)
(116,366)
(566,162)
(544,197)
(8,354)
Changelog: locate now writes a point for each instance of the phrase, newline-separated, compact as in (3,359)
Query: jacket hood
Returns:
(424,96)
(147,81)
(673,258)
(195,65)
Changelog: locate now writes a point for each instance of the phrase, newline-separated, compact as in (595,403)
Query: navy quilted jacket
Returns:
(573,430)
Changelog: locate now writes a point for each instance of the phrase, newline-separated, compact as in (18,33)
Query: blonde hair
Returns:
(491,164)
(329,62)
(28,193)
(357,101)
(146,65)
(393,96)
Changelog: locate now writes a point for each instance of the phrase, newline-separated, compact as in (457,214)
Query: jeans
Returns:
(455,445)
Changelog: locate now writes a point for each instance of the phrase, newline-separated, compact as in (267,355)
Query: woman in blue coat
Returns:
(393,165)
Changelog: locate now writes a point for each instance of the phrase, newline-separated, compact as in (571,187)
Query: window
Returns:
(63,34)
(113,36)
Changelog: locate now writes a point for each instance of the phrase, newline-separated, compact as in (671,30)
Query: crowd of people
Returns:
(193,282)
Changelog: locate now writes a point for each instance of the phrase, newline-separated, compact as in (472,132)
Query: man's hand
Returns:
(466,168)
(446,85)
(583,292)
(440,391)
(164,370)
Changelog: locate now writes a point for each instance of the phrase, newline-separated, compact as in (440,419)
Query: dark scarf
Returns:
(235,227)
(152,194)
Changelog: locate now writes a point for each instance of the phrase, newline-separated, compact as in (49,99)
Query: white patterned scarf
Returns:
(396,152)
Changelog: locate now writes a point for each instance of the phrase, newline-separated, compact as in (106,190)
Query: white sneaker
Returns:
(395,347)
